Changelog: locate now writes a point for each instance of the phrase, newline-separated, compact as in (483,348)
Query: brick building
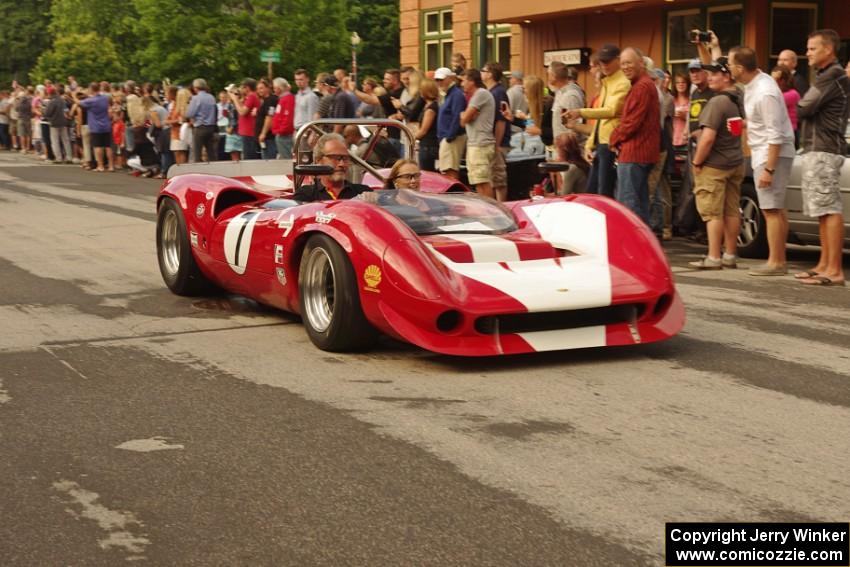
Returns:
(522,33)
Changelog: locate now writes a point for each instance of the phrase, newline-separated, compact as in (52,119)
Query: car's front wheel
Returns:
(330,301)
(752,238)
(174,252)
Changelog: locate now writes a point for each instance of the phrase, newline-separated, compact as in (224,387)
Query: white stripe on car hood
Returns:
(574,282)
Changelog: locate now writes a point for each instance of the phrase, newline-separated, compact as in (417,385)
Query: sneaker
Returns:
(729,261)
(707,264)
(765,270)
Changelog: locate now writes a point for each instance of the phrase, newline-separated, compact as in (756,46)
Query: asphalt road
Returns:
(140,426)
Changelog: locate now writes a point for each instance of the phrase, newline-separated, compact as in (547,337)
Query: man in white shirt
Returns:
(568,96)
(771,140)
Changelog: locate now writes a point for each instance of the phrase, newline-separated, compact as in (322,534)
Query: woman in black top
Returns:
(538,121)
(427,133)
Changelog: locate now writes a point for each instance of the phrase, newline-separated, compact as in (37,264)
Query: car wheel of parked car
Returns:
(330,300)
(752,239)
(176,262)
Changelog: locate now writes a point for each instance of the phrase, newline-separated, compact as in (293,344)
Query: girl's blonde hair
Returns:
(534,93)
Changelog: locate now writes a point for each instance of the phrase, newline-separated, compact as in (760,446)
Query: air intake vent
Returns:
(554,320)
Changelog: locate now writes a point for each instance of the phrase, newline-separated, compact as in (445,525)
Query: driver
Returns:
(330,149)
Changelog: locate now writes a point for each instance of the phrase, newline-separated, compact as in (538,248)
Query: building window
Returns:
(498,45)
(790,26)
(436,38)
(727,22)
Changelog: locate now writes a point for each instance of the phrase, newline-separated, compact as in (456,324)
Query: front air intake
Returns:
(555,320)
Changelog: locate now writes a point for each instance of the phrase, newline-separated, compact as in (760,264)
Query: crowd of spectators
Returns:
(621,142)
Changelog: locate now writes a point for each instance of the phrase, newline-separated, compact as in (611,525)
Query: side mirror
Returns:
(313,169)
(553,166)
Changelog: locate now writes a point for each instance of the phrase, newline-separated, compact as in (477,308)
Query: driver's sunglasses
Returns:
(409,176)
(339,158)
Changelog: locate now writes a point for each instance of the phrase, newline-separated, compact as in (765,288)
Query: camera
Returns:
(700,36)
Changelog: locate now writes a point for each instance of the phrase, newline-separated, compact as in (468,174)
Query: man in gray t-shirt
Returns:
(480,141)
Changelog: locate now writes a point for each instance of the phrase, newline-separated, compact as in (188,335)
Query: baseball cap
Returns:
(660,74)
(695,64)
(443,73)
(720,64)
(608,52)
(330,81)
(517,75)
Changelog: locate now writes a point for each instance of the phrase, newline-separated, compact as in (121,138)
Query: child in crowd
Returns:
(119,137)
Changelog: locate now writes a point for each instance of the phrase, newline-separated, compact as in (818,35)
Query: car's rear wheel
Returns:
(174,252)
(330,301)
(752,238)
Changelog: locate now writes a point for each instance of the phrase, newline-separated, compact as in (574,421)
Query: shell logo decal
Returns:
(372,276)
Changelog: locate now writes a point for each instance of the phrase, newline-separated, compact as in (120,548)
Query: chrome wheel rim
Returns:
(749,222)
(170,242)
(319,290)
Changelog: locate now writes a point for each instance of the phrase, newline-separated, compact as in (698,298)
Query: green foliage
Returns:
(88,57)
(219,40)
(376,22)
(23,35)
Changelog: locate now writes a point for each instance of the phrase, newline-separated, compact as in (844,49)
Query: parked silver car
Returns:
(752,241)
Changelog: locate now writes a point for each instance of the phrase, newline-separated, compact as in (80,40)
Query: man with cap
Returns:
(615,86)
(451,134)
(341,104)
(516,93)
(718,163)
(568,95)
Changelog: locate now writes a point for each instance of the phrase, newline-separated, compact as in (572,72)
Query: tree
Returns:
(23,34)
(221,40)
(376,22)
(107,18)
(88,57)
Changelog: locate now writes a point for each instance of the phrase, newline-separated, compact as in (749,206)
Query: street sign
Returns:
(579,56)
(270,56)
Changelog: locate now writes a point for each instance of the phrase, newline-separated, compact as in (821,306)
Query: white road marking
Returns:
(116,524)
(148,445)
(4,395)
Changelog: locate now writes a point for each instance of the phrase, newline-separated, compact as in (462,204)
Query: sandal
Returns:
(805,275)
(821,280)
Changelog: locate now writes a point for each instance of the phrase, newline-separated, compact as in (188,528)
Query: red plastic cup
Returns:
(538,190)
(735,125)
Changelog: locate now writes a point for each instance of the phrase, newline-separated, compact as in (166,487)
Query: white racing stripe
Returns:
(487,248)
(582,337)
(575,282)
(277,181)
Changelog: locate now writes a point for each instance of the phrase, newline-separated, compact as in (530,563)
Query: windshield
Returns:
(431,213)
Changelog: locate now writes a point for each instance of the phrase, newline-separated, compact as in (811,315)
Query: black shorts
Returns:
(101,140)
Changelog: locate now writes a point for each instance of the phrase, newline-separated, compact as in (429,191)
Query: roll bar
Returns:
(305,156)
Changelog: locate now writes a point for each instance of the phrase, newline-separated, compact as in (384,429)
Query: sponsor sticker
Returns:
(325,218)
(372,277)
(193,237)
(281,275)
(209,195)
(200,210)
(278,253)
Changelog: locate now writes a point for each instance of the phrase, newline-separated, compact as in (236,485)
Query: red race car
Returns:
(453,273)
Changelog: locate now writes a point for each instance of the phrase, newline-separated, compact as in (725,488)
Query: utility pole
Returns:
(482,35)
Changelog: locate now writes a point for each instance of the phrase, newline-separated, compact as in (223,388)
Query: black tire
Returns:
(330,300)
(174,252)
(752,238)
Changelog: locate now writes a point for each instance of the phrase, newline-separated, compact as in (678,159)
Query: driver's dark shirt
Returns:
(317,192)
